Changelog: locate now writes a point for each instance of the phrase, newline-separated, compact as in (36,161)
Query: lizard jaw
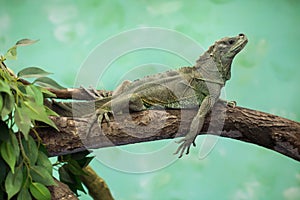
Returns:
(239,45)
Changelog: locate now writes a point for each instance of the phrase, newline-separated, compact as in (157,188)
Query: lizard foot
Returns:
(185,145)
(99,116)
(103,116)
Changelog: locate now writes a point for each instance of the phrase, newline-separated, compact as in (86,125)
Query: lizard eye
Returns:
(231,41)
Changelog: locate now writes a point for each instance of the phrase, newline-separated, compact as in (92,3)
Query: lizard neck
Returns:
(213,68)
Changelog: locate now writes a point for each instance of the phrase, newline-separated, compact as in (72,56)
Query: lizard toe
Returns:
(185,145)
(188,150)
(194,144)
(106,117)
(99,119)
(179,149)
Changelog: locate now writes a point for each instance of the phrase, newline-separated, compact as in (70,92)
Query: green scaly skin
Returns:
(187,87)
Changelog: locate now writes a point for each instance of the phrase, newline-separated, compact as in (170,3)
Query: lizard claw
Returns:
(103,117)
(185,145)
(231,104)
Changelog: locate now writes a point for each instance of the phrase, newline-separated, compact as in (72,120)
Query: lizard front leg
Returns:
(196,125)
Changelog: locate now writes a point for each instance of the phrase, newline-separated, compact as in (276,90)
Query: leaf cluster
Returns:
(71,168)
(26,170)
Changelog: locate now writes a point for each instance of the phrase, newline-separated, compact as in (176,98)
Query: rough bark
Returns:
(263,129)
(61,192)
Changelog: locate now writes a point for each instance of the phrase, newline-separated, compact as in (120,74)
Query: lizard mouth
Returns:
(241,41)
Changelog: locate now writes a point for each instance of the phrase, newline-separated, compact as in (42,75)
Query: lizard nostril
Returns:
(241,35)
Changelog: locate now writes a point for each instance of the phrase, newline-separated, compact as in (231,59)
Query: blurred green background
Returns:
(265,77)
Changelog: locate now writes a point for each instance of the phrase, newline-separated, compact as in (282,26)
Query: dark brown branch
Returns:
(266,130)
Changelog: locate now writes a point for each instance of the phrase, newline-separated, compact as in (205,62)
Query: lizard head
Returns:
(224,50)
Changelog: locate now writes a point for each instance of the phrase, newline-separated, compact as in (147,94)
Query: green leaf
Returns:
(22,88)
(8,104)
(75,168)
(64,175)
(2,171)
(43,117)
(43,149)
(48,82)
(4,87)
(11,53)
(15,145)
(39,191)
(81,158)
(33,107)
(37,112)
(67,177)
(22,121)
(32,72)
(40,174)
(77,185)
(4,131)
(9,154)
(1,102)
(13,182)
(35,93)
(10,151)
(85,161)
(47,93)
(50,112)
(25,42)
(24,195)
(30,149)
(6,99)
(44,161)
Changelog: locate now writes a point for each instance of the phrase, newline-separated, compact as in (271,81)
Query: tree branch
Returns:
(263,129)
(61,191)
